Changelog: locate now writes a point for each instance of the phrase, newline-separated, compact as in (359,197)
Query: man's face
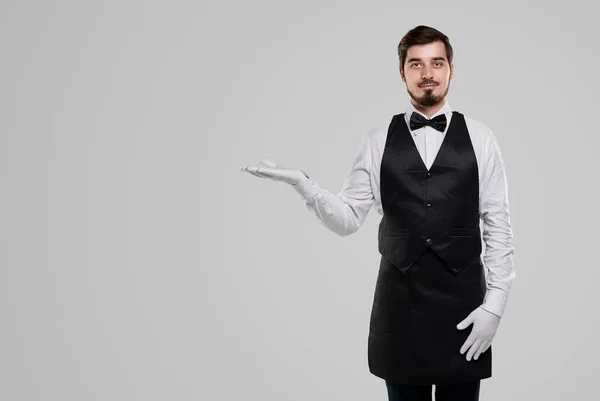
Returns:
(427,65)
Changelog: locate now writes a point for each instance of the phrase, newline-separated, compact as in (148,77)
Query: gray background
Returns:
(140,263)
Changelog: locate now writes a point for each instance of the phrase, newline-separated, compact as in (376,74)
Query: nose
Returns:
(427,73)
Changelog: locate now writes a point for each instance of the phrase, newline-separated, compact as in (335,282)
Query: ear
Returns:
(401,74)
(451,71)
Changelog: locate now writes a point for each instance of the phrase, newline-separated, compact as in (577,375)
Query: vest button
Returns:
(429,240)
(428,174)
(429,205)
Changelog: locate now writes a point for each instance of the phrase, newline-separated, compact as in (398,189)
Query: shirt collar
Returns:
(446,109)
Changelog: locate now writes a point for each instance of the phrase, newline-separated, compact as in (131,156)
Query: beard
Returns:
(428,99)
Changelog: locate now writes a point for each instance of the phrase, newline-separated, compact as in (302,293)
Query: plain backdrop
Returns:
(140,263)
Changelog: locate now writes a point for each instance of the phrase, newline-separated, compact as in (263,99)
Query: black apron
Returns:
(431,272)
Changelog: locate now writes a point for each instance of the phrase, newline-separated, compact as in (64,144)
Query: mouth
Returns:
(427,86)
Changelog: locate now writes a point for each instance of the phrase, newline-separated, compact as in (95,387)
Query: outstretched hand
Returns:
(484,329)
(276,172)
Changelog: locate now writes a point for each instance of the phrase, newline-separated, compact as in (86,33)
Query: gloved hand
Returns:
(484,329)
(276,172)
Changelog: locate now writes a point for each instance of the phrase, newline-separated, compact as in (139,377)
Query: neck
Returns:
(429,110)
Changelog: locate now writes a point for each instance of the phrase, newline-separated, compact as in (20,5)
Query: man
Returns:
(432,174)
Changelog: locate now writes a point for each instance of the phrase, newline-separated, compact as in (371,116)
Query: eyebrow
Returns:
(433,58)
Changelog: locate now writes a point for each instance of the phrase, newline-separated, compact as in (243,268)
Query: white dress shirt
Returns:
(344,212)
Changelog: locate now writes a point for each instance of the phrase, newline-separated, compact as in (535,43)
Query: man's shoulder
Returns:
(379,131)
(376,136)
(476,127)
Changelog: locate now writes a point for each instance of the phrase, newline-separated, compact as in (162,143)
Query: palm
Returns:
(276,172)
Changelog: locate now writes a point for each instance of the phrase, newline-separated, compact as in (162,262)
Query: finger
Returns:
(468,342)
(473,348)
(249,169)
(256,174)
(263,172)
(466,322)
(480,349)
(489,344)
(268,163)
(269,172)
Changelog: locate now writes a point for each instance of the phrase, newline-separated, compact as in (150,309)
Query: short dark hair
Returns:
(422,35)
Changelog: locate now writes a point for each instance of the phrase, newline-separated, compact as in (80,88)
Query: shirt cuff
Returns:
(307,188)
(495,301)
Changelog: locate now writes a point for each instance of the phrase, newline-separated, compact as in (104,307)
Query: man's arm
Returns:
(344,212)
(497,230)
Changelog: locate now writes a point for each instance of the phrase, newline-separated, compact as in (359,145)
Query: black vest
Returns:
(438,208)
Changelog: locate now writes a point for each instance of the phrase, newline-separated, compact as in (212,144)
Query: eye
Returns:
(414,64)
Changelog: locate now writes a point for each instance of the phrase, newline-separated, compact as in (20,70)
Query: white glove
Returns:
(484,329)
(276,172)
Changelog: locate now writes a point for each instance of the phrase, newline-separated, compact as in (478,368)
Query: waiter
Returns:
(432,174)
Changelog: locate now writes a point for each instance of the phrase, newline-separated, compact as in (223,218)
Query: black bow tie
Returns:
(417,121)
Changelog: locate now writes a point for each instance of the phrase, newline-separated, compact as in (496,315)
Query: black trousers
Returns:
(467,391)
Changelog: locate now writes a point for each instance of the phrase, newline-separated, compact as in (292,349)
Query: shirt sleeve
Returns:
(497,230)
(345,211)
